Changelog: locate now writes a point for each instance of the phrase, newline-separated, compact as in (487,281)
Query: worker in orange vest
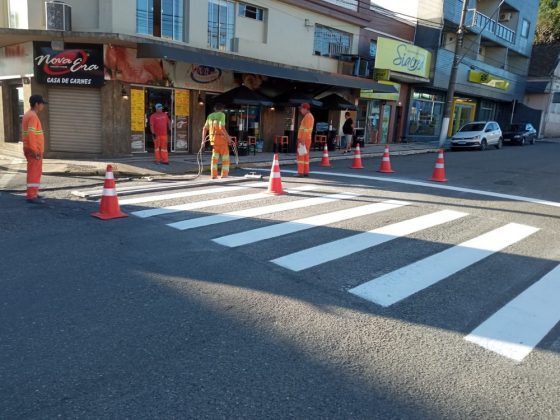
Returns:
(220,140)
(159,124)
(304,139)
(34,147)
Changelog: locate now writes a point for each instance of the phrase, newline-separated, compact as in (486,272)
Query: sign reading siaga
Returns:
(76,65)
(411,62)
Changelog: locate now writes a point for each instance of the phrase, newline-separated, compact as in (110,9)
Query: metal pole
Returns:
(453,76)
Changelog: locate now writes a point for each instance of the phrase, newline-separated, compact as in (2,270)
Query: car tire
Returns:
(499,144)
(483,145)
(532,141)
(522,141)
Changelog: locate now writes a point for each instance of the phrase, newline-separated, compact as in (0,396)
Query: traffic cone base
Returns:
(325,161)
(357,162)
(275,181)
(109,206)
(385,166)
(439,170)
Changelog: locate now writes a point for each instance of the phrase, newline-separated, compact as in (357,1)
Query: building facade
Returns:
(104,64)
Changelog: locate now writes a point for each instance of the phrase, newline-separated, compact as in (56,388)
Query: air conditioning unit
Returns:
(505,17)
(58,16)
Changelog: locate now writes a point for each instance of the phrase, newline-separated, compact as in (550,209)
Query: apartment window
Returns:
(17,11)
(160,18)
(221,24)
(372,48)
(251,12)
(525,28)
(331,42)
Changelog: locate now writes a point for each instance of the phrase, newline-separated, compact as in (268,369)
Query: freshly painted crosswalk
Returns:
(211,203)
(281,229)
(331,251)
(512,332)
(258,211)
(520,325)
(404,282)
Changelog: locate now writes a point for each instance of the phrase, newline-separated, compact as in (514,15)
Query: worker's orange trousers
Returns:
(34,172)
(160,148)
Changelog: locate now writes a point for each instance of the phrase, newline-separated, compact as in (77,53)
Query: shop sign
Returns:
(372,94)
(182,103)
(137,120)
(182,112)
(197,77)
(16,60)
(122,64)
(487,79)
(381,74)
(76,65)
(402,57)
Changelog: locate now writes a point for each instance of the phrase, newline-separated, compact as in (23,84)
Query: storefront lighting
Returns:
(200,100)
(272,108)
(124,93)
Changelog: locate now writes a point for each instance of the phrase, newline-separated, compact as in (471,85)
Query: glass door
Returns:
(385,120)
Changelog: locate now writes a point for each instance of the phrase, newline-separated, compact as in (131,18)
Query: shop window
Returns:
(425,118)
(372,48)
(331,42)
(251,12)
(160,18)
(221,24)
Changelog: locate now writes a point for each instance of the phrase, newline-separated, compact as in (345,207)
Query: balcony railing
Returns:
(484,23)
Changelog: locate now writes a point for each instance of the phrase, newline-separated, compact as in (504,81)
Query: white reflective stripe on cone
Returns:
(439,165)
(275,175)
(109,192)
(109,175)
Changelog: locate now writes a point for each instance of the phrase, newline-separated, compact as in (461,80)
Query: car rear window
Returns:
(472,127)
(516,127)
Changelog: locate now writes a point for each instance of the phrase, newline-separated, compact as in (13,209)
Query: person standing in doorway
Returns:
(215,128)
(304,139)
(348,131)
(34,147)
(159,125)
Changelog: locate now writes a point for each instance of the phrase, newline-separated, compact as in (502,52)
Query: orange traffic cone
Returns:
(357,162)
(385,166)
(275,181)
(325,160)
(109,207)
(439,170)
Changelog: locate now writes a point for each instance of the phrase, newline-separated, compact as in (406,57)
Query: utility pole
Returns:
(453,75)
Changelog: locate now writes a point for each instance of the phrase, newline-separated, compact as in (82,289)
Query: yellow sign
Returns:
(137,110)
(182,103)
(402,57)
(371,94)
(487,79)
(381,74)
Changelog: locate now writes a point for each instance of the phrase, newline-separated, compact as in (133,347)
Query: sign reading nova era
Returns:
(402,57)
(76,65)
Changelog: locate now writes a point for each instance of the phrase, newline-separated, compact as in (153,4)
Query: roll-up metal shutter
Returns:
(75,120)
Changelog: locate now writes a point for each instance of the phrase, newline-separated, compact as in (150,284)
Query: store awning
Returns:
(295,98)
(242,95)
(337,102)
(247,65)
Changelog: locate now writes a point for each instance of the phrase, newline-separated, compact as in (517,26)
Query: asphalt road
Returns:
(133,318)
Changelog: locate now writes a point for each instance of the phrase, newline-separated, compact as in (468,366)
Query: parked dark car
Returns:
(520,133)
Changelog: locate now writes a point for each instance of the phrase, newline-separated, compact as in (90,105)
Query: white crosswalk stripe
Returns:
(258,211)
(281,229)
(210,203)
(184,194)
(402,283)
(331,251)
(520,325)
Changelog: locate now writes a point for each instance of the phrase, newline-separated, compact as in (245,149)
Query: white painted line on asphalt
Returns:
(281,229)
(431,185)
(209,203)
(258,211)
(171,196)
(406,281)
(520,325)
(331,251)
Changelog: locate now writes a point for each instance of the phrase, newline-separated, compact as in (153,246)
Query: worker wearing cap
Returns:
(215,128)
(34,147)
(304,139)
(159,124)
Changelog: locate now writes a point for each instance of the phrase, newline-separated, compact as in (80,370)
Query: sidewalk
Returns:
(182,164)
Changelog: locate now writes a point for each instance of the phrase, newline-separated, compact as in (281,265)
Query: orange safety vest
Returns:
(306,128)
(33,136)
(218,134)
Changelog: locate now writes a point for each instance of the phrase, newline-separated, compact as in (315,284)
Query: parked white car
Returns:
(479,135)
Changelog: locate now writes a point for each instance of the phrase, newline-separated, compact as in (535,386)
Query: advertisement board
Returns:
(78,65)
